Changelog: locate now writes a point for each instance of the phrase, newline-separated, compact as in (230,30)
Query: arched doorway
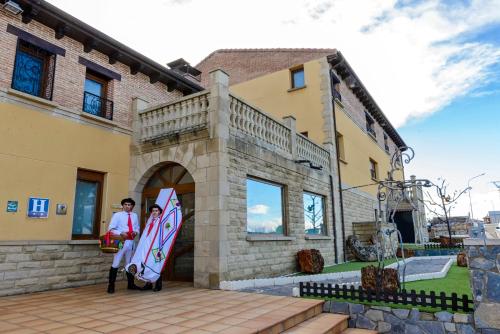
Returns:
(180,265)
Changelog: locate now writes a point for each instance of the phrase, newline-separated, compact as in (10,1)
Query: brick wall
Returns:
(246,64)
(70,75)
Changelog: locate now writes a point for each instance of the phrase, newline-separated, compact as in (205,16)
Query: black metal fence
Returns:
(436,245)
(413,298)
(97,106)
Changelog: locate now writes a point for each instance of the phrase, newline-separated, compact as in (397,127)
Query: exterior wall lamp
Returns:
(13,7)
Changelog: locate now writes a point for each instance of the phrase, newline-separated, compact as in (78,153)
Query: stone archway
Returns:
(203,162)
(180,265)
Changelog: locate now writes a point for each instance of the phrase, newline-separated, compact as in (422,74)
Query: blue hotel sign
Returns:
(38,207)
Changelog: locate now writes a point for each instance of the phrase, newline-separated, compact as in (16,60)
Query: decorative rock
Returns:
(465,329)
(493,287)
(462,259)
(444,316)
(375,315)
(432,327)
(401,313)
(360,252)
(310,261)
(481,263)
(450,327)
(342,308)
(383,327)
(364,322)
(356,308)
(370,279)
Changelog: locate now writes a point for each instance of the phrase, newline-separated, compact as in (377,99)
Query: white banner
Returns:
(158,238)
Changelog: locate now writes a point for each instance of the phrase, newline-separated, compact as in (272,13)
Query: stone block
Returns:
(481,263)
(375,315)
(29,264)
(401,313)
(355,308)
(444,316)
(16,275)
(48,248)
(384,327)
(19,257)
(364,322)
(340,307)
(11,249)
(8,266)
(462,318)
(450,327)
(465,329)
(486,316)
(26,281)
(412,329)
(393,320)
(47,256)
(426,316)
(327,306)
(493,287)
(382,308)
(432,327)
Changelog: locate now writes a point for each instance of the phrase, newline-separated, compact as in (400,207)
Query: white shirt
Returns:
(119,222)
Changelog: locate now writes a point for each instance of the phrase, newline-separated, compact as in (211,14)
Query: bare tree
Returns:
(314,211)
(442,202)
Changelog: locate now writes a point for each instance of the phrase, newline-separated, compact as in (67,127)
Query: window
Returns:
(87,208)
(373,169)
(298,80)
(314,218)
(33,70)
(340,146)
(95,100)
(386,143)
(370,125)
(264,207)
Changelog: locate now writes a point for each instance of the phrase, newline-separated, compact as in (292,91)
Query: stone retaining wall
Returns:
(483,257)
(389,320)
(29,266)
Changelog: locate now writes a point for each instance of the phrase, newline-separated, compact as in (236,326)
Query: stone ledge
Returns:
(48,242)
(481,242)
(269,238)
(318,237)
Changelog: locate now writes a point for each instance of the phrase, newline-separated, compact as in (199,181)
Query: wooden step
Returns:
(325,323)
(358,331)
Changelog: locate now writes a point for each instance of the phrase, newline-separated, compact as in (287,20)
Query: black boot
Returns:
(130,282)
(158,285)
(112,279)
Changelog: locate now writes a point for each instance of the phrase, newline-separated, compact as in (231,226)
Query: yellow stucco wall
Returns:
(359,148)
(39,157)
(270,93)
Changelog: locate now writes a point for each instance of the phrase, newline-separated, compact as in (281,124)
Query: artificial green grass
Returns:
(352,266)
(457,281)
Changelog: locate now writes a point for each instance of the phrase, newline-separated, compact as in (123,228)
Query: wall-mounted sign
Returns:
(61,209)
(38,207)
(12,206)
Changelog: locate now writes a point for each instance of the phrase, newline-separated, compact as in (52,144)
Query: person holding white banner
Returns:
(157,239)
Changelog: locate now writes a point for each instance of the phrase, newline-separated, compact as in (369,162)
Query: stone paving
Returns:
(178,308)
(416,266)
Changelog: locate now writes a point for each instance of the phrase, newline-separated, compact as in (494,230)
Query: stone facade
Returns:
(483,257)
(30,266)
(391,320)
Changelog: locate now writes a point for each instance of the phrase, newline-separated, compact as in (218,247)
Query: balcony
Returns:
(97,106)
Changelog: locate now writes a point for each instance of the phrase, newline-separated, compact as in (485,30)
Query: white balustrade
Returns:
(307,150)
(255,123)
(184,115)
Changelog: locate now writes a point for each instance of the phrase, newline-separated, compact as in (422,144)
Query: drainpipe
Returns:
(333,80)
(334,226)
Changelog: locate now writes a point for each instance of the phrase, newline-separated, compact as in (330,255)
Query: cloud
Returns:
(264,226)
(320,9)
(258,209)
(178,2)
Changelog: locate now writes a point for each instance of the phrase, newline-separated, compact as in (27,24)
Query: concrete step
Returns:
(358,331)
(325,323)
(278,321)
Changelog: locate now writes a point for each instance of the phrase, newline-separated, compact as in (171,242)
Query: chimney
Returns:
(183,68)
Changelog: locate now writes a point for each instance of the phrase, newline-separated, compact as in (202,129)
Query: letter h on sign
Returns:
(38,207)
